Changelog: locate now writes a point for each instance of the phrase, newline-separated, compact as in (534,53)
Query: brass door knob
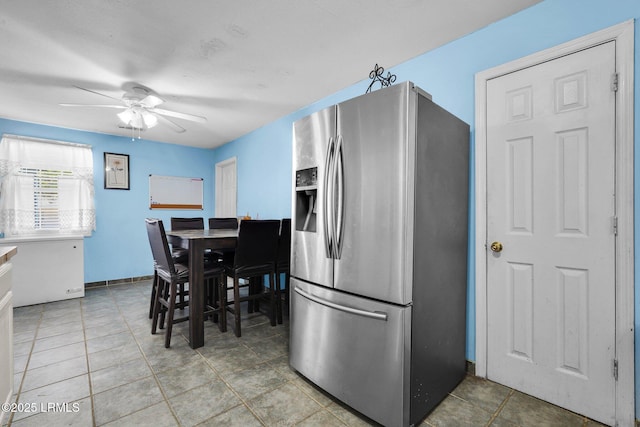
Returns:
(496,247)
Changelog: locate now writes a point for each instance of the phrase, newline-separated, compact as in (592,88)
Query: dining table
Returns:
(196,241)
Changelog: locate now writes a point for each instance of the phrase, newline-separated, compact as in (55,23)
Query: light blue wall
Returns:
(264,171)
(119,247)
(448,74)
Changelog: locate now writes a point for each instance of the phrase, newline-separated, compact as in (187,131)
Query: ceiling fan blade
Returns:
(184,116)
(94,105)
(98,93)
(176,127)
(151,101)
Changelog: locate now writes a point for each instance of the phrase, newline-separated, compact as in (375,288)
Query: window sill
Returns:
(37,238)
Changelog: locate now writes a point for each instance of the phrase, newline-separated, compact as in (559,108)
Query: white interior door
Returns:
(551,205)
(226,188)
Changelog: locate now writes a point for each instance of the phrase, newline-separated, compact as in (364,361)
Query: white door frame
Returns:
(218,185)
(623,35)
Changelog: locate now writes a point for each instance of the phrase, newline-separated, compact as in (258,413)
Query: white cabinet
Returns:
(48,269)
(6,331)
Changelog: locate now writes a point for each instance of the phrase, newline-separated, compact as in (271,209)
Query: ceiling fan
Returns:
(141,111)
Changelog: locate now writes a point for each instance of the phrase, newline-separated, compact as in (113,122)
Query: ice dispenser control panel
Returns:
(307,177)
(306,196)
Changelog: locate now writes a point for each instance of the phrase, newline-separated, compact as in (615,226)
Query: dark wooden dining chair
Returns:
(181,255)
(196,223)
(224,255)
(167,280)
(255,257)
(223,223)
(282,265)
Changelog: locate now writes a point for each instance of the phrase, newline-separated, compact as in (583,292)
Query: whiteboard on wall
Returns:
(175,192)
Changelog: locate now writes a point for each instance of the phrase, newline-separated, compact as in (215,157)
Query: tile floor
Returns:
(97,356)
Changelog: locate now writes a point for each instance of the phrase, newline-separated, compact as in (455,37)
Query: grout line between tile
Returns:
(86,354)
(501,407)
(26,368)
(153,372)
(233,390)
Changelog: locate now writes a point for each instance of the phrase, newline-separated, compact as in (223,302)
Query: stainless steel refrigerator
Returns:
(379,252)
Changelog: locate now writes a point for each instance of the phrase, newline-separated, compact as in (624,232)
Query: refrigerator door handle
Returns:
(339,174)
(370,314)
(327,204)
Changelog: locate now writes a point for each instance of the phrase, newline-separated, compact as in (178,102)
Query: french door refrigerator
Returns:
(379,252)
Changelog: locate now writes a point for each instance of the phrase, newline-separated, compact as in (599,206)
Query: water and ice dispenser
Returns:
(306,196)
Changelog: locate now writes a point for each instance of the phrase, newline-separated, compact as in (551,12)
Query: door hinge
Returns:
(615,225)
(614,82)
(615,369)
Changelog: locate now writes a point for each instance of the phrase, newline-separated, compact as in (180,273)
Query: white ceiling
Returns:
(240,63)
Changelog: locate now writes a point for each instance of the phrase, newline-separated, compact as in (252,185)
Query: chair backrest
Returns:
(187,223)
(223,223)
(160,246)
(284,243)
(257,244)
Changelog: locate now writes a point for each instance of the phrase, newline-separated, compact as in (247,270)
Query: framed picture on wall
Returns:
(116,171)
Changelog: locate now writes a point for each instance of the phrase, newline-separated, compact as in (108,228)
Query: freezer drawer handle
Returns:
(371,314)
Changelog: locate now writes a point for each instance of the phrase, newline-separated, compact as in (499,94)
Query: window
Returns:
(46,187)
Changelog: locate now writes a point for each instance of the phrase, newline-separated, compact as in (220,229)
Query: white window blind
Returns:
(46,187)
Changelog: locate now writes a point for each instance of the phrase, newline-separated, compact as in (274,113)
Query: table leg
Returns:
(196,293)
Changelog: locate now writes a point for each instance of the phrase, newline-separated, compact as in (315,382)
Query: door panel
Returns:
(226,189)
(375,133)
(311,136)
(551,290)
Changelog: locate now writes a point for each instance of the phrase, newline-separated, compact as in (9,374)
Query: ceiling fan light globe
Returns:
(150,120)
(126,116)
(136,121)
